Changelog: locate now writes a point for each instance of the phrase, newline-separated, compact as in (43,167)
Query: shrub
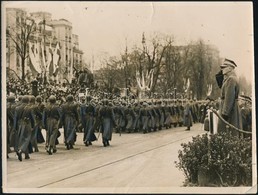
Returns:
(225,159)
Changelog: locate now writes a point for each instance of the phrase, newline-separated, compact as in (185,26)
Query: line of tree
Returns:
(20,35)
(173,65)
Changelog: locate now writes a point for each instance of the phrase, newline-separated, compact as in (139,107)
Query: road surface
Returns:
(134,163)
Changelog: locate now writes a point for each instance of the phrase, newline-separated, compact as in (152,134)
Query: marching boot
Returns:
(27,156)
(108,143)
(71,145)
(104,143)
(49,150)
(67,146)
(19,154)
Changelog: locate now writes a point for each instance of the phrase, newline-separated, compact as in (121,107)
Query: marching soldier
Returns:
(11,133)
(157,116)
(40,108)
(23,122)
(51,121)
(38,123)
(144,116)
(87,114)
(168,121)
(188,119)
(180,108)
(107,117)
(130,117)
(136,122)
(69,121)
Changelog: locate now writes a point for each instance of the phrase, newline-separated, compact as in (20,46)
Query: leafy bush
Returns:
(226,160)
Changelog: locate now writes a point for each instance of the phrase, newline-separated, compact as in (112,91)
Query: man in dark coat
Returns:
(229,108)
(40,108)
(107,117)
(37,126)
(87,115)
(144,117)
(10,123)
(188,118)
(51,119)
(24,122)
(70,119)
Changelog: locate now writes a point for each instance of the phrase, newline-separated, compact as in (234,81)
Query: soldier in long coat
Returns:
(40,108)
(38,121)
(130,118)
(24,122)
(162,114)
(246,112)
(118,114)
(10,123)
(180,113)
(168,121)
(144,116)
(107,117)
(136,123)
(69,120)
(229,108)
(51,120)
(188,118)
(157,116)
(87,114)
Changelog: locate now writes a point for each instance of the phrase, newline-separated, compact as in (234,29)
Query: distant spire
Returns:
(126,49)
(143,38)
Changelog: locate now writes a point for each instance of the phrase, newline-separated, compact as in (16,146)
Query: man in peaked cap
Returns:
(229,110)
(227,63)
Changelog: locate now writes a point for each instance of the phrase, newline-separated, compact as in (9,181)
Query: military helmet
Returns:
(52,99)
(69,98)
(39,99)
(32,99)
(11,98)
(25,99)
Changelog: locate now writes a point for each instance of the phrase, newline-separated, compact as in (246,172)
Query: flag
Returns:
(34,57)
(56,59)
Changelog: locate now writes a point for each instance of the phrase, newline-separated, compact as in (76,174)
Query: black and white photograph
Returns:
(128,97)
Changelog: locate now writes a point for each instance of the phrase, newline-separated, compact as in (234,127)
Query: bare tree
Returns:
(21,34)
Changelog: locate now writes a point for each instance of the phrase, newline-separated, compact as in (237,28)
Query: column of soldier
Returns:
(28,115)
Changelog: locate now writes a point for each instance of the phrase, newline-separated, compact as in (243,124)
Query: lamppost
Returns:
(175,93)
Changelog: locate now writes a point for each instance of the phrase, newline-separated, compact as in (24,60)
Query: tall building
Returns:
(77,53)
(53,48)
(13,17)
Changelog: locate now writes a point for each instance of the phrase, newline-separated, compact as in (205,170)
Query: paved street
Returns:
(134,162)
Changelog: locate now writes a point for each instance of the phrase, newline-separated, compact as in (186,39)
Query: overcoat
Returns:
(229,103)
(70,118)
(188,119)
(51,119)
(87,114)
(107,117)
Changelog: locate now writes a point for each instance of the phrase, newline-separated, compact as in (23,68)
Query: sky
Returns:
(104,28)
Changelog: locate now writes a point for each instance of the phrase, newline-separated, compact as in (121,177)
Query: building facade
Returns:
(53,49)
